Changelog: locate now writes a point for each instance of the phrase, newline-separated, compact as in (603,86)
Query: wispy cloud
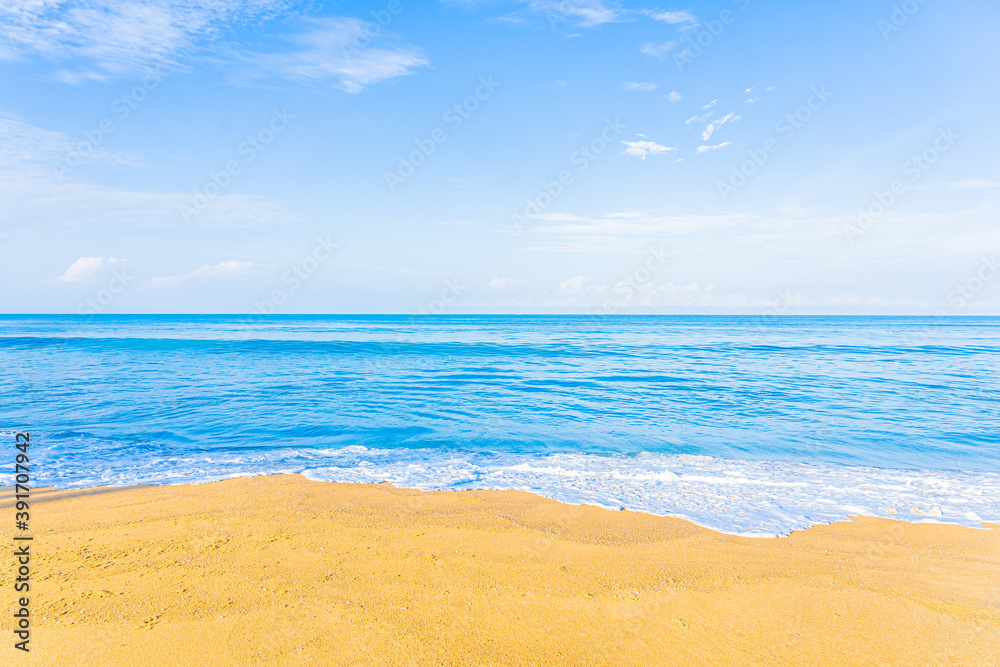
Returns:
(584,292)
(682,17)
(87,267)
(618,233)
(504,283)
(33,194)
(706,148)
(586,13)
(674,96)
(558,216)
(222,269)
(711,126)
(967,184)
(714,125)
(100,39)
(336,52)
(639,86)
(641,149)
(25,147)
(658,51)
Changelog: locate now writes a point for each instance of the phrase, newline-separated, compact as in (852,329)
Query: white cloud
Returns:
(967,184)
(105,38)
(558,217)
(639,86)
(683,17)
(698,119)
(617,233)
(576,285)
(586,13)
(714,125)
(34,203)
(25,147)
(641,149)
(337,52)
(504,283)
(659,51)
(33,193)
(97,40)
(459,223)
(674,96)
(705,149)
(583,292)
(222,269)
(852,299)
(86,267)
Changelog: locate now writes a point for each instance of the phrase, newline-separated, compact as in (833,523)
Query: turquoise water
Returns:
(631,412)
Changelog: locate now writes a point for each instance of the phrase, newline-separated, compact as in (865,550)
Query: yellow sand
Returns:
(280,570)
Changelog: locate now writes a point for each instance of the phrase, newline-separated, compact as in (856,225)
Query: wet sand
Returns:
(280,570)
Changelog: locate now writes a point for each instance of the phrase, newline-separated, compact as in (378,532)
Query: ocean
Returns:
(747,425)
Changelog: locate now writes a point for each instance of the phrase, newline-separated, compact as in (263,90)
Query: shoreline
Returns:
(253,569)
(709,519)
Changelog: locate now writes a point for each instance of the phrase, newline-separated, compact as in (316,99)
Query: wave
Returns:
(749,498)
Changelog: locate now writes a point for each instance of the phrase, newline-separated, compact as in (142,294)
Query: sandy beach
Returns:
(281,570)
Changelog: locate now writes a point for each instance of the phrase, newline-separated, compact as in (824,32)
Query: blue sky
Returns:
(238,156)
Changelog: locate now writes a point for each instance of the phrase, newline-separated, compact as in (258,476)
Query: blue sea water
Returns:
(747,425)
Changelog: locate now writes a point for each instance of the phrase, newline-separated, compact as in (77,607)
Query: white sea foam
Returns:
(751,498)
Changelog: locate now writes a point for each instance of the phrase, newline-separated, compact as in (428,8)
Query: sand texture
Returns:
(279,570)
